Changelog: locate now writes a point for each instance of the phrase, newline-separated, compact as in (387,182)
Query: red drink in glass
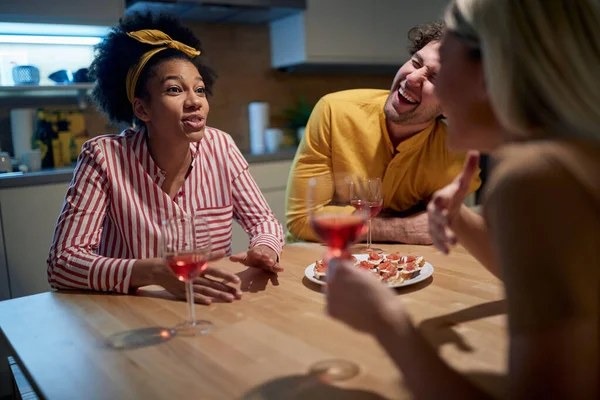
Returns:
(358,204)
(339,231)
(188,265)
(374,207)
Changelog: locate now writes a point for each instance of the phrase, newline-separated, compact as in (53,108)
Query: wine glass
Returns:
(186,247)
(333,222)
(368,196)
(339,226)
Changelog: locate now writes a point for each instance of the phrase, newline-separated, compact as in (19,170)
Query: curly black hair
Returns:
(421,35)
(118,52)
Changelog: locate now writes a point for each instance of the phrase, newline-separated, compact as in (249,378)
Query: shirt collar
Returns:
(140,148)
(414,141)
(194,149)
(417,140)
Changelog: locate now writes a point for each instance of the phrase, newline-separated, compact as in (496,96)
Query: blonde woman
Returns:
(519,79)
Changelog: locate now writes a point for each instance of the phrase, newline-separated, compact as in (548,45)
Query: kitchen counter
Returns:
(281,155)
(64,174)
(43,177)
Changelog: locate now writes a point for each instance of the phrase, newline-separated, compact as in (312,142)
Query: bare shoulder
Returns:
(556,170)
(543,214)
(517,177)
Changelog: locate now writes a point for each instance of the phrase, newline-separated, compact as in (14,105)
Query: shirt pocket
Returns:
(219,221)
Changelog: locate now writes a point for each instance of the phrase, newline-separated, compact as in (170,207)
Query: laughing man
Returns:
(395,135)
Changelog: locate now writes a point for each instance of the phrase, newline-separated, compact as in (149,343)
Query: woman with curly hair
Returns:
(150,74)
(519,79)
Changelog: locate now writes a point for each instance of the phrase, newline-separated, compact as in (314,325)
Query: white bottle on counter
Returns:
(22,127)
(258,117)
(273,138)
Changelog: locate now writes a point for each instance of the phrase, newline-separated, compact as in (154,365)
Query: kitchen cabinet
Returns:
(29,215)
(349,32)
(271,178)
(80,12)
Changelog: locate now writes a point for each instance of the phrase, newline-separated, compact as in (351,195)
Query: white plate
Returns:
(426,272)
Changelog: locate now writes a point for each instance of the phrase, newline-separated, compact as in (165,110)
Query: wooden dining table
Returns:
(268,345)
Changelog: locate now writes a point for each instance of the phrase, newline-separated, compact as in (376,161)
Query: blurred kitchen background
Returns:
(275,59)
(281,52)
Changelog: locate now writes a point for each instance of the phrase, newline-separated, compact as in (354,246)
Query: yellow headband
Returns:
(156,38)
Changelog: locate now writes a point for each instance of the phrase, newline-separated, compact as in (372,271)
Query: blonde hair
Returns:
(541,60)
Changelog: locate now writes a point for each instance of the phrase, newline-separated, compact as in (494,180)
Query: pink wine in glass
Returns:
(358,204)
(374,207)
(339,231)
(187,265)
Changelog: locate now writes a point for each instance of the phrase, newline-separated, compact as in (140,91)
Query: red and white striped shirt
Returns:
(114,207)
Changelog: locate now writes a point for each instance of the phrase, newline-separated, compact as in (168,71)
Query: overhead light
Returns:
(39,39)
(21,28)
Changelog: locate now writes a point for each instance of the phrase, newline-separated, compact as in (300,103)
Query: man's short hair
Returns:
(421,35)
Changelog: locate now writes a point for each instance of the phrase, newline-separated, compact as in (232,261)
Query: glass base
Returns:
(363,249)
(334,370)
(189,328)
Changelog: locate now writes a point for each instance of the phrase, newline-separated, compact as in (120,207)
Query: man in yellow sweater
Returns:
(395,135)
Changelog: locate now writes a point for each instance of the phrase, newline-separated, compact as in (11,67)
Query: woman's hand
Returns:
(358,299)
(259,257)
(446,202)
(214,284)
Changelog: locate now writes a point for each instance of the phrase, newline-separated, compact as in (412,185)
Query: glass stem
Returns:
(369,238)
(190,299)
